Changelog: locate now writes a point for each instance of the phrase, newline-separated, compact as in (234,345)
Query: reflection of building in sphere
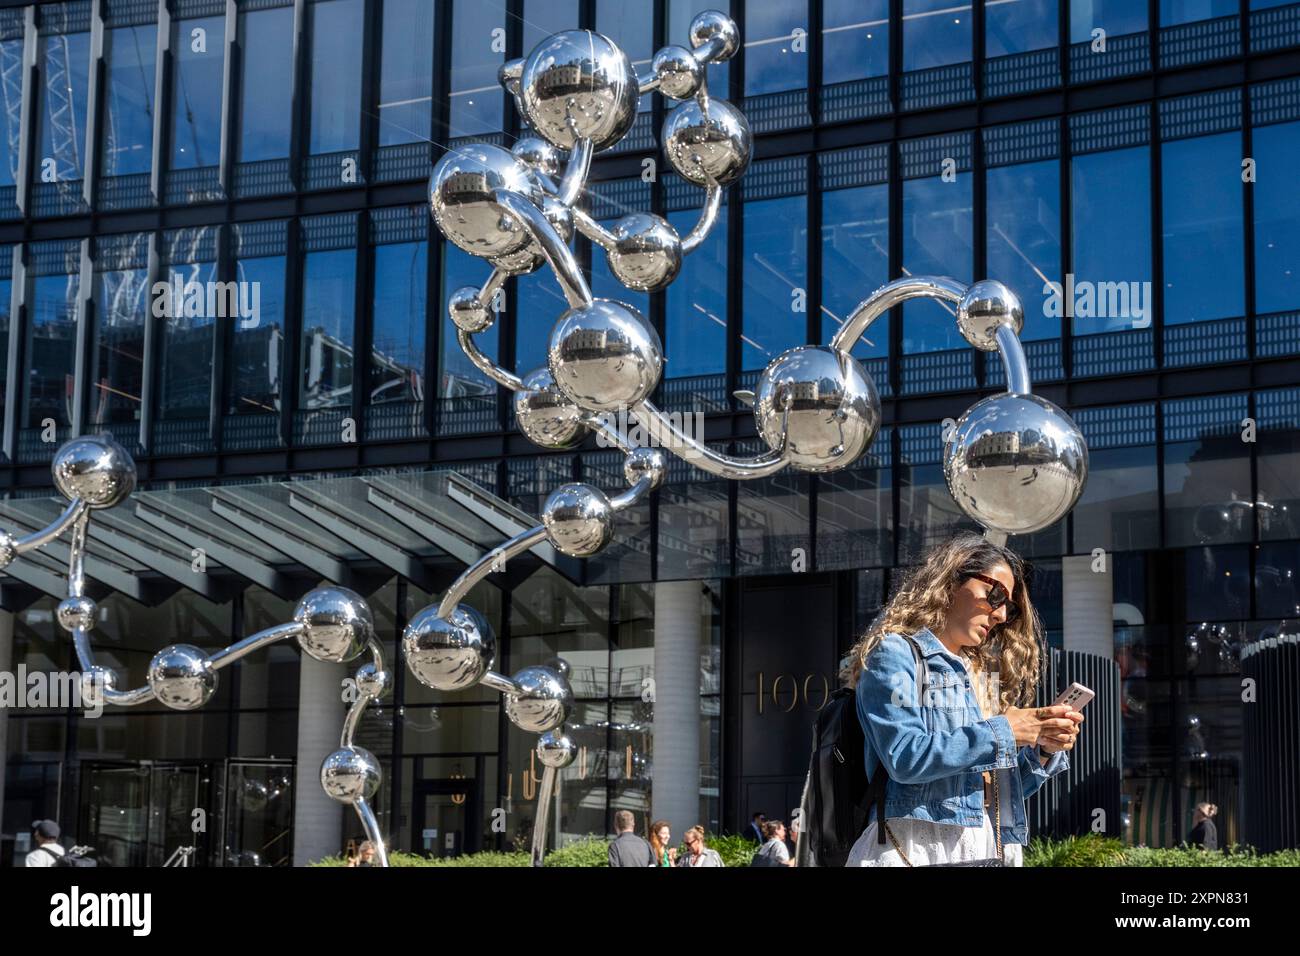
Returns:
(996,445)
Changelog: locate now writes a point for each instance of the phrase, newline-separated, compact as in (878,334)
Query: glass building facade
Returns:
(1129,169)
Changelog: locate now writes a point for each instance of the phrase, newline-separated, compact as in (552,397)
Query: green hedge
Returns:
(1096,850)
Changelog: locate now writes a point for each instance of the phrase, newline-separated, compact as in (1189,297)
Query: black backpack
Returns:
(77,856)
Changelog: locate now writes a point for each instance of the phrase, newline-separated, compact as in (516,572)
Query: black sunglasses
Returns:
(998,596)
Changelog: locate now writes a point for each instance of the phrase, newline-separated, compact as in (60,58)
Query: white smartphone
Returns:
(1076,697)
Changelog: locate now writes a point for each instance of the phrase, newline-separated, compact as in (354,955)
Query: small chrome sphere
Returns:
(641,462)
(556,749)
(680,74)
(576,85)
(95,469)
(545,417)
(987,305)
(372,681)
(337,624)
(823,401)
(449,655)
(95,682)
(461,199)
(8,549)
(467,312)
(76,612)
(707,148)
(1015,463)
(710,24)
(604,357)
(544,701)
(647,253)
(182,677)
(350,774)
(579,519)
(539,155)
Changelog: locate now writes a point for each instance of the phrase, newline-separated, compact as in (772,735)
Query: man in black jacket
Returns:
(755,829)
(628,849)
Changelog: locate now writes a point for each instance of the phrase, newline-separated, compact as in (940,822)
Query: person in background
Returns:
(48,850)
(628,849)
(755,829)
(774,849)
(1204,834)
(792,834)
(365,855)
(697,854)
(660,837)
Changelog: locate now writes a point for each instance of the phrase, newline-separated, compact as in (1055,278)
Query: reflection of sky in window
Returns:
(631,26)
(266,90)
(336,32)
(935,33)
(855,260)
(937,232)
(51,332)
(127,142)
(11,55)
(196,91)
(1203,228)
(1277,210)
(187,346)
(680,15)
(695,304)
(63,137)
(538,303)
(1017,26)
(457,375)
(772,62)
(1116,17)
(406,72)
(328,285)
(775,265)
(1111,224)
(476,97)
(255,373)
(1024,238)
(121,303)
(1187,11)
(397,337)
(855,39)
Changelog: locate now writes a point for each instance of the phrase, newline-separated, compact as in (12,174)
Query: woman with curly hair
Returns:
(967,752)
(660,837)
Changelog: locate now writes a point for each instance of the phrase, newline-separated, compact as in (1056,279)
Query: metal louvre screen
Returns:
(1270,726)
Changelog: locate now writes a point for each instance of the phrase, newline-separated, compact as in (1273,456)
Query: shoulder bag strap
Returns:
(877,786)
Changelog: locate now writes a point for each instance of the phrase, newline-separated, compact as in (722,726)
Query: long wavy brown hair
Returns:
(656,844)
(1012,650)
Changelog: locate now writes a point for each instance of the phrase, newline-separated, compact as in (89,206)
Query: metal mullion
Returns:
(152,340)
(372,34)
(362,306)
(439,125)
(1248,218)
(84,341)
(292,329)
(1156,140)
(29,115)
(161,99)
(299,100)
(13,362)
(229,97)
(980,235)
(94,107)
(223,337)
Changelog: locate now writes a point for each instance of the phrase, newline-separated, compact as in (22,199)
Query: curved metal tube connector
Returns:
(631,496)
(481,568)
(254,642)
(371,826)
(666,435)
(1013,361)
(545,797)
(37,539)
(708,217)
(499,683)
(647,82)
(592,229)
(558,255)
(889,295)
(575,172)
(486,365)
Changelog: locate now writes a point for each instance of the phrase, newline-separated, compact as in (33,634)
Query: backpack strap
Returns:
(57,856)
(876,787)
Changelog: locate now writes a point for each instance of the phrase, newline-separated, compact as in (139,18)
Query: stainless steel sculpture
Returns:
(1015,462)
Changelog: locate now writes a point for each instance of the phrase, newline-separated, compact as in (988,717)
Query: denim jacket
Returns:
(936,754)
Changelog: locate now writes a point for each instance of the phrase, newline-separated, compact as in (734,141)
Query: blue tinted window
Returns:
(328,305)
(186,352)
(11,53)
(127,138)
(855,260)
(935,33)
(406,72)
(1203,228)
(1186,11)
(336,31)
(696,303)
(544,17)
(538,303)
(1277,210)
(476,97)
(61,118)
(457,376)
(855,39)
(775,270)
(1110,203)
(1017,26)
(680,15)
(1217,586)
(397,335)
(776,57)
(1116,17)
(1264,4)
(121,303)
(50,341)
(198,52)
(266,85)
(1024,238)
(1119,509)
(631,26)
(937,230)
(254,365)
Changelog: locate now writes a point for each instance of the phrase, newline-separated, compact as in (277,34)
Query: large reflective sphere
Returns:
(647,252)
(95,469)
(680,74)
(182,677)
(545,417)
(986,306)
(452,654)
(539,155)
(578,85)
(460,198)
(605,357)
(337,624)
(645,463)
(824,401)
(350,774)
(1015,463)
(707,148)
(579,519)
(543,703)
(712,23)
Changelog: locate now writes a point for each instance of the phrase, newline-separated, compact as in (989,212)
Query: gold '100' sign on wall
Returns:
(787,691)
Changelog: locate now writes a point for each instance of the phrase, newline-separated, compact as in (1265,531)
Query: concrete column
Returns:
(1088,598)
(675,790)
(6,665)
(317,820)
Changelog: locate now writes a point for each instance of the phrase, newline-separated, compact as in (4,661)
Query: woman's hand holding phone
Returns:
(1030,725)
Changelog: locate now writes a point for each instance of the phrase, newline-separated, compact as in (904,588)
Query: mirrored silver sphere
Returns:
(182,677)
(95,469)
(8,549)
(824,400)
(94,683)
(647,253)
(712,23)
(545,417)
(605,356)
(556,749)
(1015,463)
(372,681)
(350,774)
(449,655)
(76,612)
(467,312)
(539,155)
(544,701)
(642,462)
(707,148)
(578,84)
(461,200)
(579,519)
(680,74)
(987,305)
(337,624)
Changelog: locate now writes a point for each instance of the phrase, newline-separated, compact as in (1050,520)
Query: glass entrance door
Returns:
(142,814)
(444,817)
(115,813)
